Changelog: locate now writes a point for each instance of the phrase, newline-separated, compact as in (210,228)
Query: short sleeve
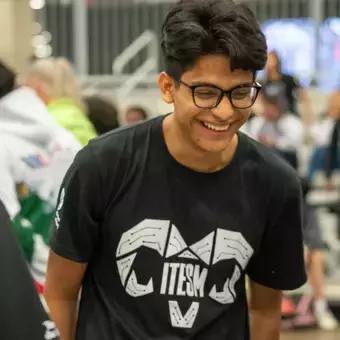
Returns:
(76,224)
(279,262)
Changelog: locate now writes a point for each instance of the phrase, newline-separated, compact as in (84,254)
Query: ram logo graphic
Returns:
(165,238)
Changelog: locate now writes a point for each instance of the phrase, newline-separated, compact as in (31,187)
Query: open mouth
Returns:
(216,128)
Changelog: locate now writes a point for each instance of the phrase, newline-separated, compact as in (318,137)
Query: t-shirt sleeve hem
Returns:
(66,253)
(281,284)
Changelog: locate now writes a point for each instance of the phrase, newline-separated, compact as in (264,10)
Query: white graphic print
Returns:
(148,233)
(180,321)
(124,266)
(188,255)
(59,207)
(135,289)
(176,243)
(51,331)
(203,248)
(228,294)
(232,245)
(182,279)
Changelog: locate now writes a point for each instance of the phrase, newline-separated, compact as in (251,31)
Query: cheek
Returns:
(185,109)
(244,115)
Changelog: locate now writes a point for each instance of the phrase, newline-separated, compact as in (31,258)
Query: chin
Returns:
(214,146)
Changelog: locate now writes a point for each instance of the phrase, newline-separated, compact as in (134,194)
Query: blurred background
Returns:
(113,47)
(114,44)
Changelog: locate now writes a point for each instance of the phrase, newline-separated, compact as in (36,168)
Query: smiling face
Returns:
(210,129)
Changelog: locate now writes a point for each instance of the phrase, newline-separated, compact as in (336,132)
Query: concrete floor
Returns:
(310,335)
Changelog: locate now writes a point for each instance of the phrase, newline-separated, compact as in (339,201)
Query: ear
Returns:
(166,85)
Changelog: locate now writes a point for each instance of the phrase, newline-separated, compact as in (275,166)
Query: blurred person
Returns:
(278,129)
(135,114)
(314,255)
(333,150)
(22,313)
(35,153)
(55,83)
(102,114)
(277,82)
(324,133)
(159,222)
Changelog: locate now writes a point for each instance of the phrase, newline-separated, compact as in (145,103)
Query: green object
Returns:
(35,217)
(68,114)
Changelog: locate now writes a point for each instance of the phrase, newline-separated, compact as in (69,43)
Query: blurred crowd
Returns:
(280,125)
(45,121)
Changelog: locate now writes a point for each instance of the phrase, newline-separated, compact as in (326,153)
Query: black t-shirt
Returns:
(167,247)
(22,316)
(287,85)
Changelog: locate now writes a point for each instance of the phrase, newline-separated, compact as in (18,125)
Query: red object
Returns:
(40,287)
(288,308)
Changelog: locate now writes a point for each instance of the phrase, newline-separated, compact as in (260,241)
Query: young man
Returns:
(159,223)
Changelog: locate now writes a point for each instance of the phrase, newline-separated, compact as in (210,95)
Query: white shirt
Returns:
(287,130)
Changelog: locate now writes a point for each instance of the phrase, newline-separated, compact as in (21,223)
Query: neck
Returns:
(184,150)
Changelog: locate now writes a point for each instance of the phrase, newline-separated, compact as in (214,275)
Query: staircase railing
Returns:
(148,40)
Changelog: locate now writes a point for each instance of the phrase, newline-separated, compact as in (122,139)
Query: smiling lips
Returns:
(218,128)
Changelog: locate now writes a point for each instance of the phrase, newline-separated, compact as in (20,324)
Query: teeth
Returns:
(215,127)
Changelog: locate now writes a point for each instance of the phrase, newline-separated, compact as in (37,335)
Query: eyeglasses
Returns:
(209,96)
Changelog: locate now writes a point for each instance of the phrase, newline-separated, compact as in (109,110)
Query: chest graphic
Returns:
(181,278)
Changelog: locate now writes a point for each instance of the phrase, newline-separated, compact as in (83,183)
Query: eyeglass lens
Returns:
(209,97)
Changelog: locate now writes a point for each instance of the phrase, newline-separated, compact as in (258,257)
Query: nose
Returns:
(224,109)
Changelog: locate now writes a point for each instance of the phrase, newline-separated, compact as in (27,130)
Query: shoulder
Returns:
(272,172)
(124,138)
(123,146)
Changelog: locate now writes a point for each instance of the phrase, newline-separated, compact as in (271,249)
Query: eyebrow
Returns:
(200,83)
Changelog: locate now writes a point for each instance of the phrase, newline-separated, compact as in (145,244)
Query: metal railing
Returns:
(147,40)
(93,33)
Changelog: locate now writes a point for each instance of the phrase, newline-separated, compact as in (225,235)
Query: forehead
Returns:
(215,69)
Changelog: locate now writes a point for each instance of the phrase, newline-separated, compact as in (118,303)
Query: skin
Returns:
(133,116)
(200,149)
(205,151)
(316,272)
(39,87)
(63,283)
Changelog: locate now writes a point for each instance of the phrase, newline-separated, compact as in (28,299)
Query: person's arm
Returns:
(265,312)
(23,316)
(75,235)
(279,263)
(63,283)
(308,113)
